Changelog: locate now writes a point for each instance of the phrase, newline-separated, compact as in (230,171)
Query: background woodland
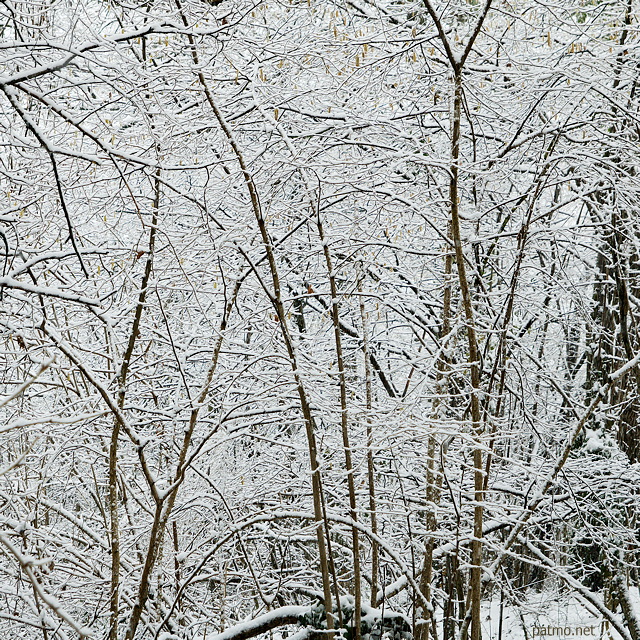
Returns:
(317,317)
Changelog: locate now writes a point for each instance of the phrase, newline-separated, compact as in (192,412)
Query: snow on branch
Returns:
(276,618)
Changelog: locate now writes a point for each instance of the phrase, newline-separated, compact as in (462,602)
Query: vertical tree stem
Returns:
(335,316)
(474,360)
(113,448)
(375,550)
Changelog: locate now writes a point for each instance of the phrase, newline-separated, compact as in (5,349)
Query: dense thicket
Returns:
(313,306)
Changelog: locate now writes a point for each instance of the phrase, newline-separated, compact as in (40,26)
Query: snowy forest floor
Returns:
(547,614)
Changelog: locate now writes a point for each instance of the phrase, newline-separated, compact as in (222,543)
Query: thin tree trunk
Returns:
(114,527)
(375,551)
(457,62)
(474,362)
(353,507)
(433,484)
(621,590)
